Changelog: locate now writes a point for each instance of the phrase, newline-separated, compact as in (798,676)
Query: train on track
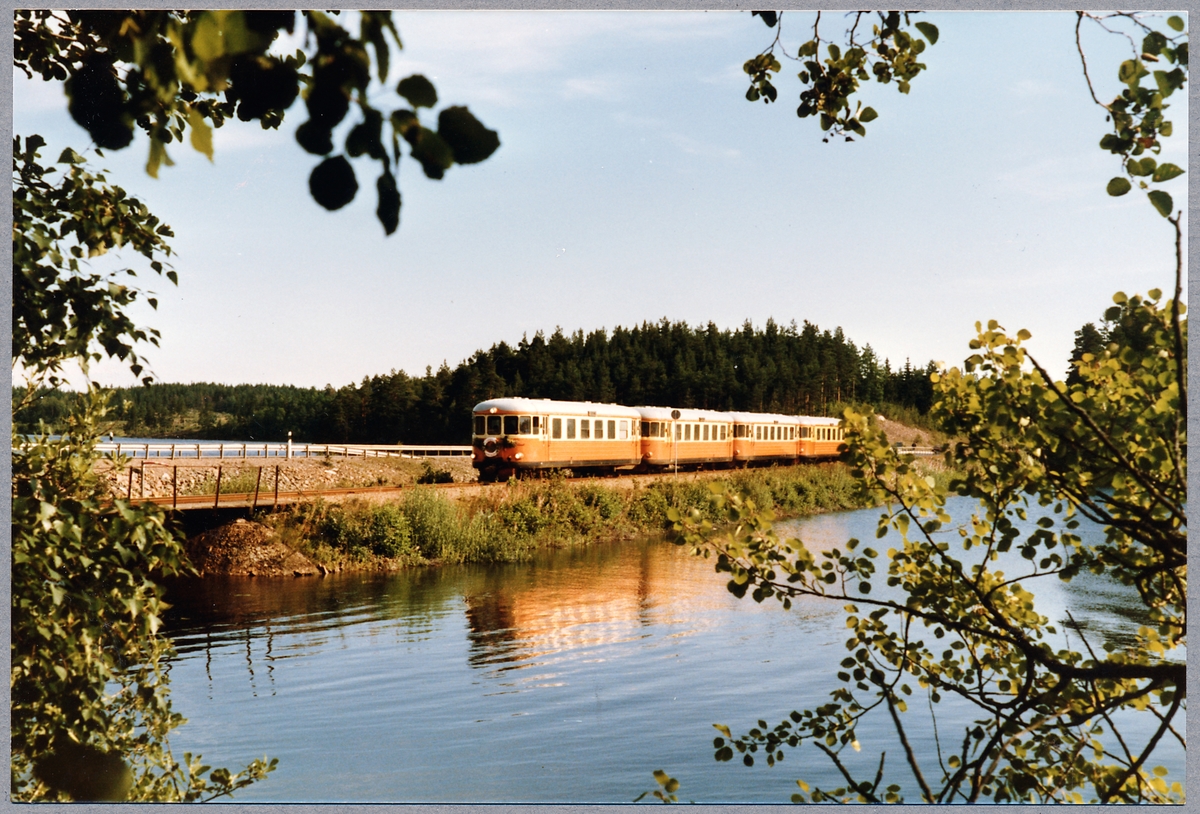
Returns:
(516,437)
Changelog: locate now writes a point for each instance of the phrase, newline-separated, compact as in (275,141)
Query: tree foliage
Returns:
(1065,714)
(1137,113)
(62,307)
(90,704)
(172,74)
(774,368)
(888,51)
(1061,714)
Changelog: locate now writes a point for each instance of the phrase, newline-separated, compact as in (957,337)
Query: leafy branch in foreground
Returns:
(61,308)
(171,73)
(1061,716)
(1137,112)
(91,711)
(888,51)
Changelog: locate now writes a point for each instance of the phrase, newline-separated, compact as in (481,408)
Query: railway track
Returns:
(269,499)
(263,500)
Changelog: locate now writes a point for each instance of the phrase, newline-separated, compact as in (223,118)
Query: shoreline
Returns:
(494,523)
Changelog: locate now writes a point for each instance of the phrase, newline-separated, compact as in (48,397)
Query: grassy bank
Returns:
(509,524)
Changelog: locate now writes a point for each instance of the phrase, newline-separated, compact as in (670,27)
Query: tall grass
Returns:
(509,524)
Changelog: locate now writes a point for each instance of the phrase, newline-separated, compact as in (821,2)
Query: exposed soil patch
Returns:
(243,548)
(904,434)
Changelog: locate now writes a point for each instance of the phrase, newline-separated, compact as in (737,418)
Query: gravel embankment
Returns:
(153,477)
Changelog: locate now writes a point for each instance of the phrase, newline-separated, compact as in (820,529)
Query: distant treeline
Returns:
(776,369)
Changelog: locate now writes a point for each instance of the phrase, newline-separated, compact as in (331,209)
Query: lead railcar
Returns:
(516,436)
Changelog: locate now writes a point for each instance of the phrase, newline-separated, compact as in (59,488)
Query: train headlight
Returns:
(518,456)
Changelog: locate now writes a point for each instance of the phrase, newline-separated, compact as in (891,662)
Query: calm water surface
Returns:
(569,679)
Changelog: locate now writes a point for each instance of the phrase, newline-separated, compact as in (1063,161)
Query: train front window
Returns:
(526,427)
(510,424)
(493,425)
(479,425)
(645,428)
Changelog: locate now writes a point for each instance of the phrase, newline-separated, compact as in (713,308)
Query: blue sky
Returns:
(635,182)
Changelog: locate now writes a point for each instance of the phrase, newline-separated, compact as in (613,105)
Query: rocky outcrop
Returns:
(243,548)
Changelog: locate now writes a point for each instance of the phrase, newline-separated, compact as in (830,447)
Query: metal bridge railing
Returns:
(279,450)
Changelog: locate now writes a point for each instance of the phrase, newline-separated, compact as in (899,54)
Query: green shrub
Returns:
(431,475)
(355,529)
(436,525)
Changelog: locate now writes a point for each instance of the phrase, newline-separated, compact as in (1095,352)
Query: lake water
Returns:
(568,679)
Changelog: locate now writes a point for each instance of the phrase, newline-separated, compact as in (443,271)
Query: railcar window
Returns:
(510,424)
(724,430)
(705,432)
(687,432)
(556,428)
(480,422)
(570,428)
(536,422)
(526,425)
(612,429)
(585,428)
(493,425)
(645,428)
(624,436)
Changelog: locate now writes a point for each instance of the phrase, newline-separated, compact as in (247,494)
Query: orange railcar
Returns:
(673,438)
(512,436)
(765,438)
(821,438)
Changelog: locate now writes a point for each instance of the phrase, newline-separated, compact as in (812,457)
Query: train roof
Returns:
(685,414)
(585,408)
(819,421)
(764,418)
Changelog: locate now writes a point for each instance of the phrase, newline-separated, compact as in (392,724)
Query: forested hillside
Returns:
(776,369)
